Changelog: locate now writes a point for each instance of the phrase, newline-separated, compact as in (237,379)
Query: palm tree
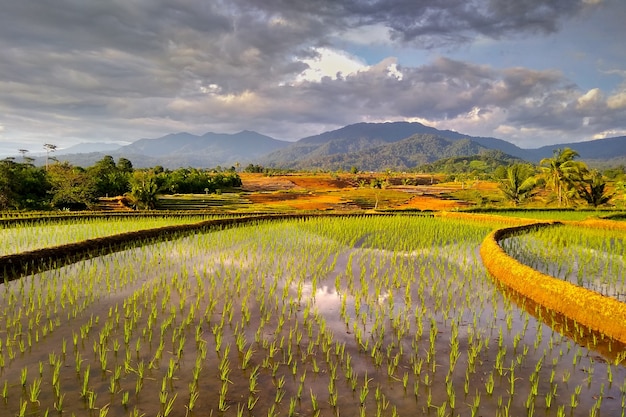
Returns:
(621,187)
(562,173)
(519,184)
(49,147)
(592,189)
(144,189)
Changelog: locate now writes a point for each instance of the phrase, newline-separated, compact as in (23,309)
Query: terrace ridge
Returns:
(589,308)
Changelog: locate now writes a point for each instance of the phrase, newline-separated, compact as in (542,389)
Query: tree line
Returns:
(566,179)
(562,180)
(61,185)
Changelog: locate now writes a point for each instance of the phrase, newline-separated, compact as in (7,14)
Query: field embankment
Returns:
(586,307)
(18,264)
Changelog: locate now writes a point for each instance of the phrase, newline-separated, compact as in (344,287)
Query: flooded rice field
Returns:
(590,258)
(352,317)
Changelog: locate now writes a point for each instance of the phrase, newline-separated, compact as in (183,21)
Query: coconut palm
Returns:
(592,189)
(519,184)
(620,187)
(562,172)
(144,189)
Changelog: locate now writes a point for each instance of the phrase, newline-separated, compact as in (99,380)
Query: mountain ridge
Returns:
(335,149)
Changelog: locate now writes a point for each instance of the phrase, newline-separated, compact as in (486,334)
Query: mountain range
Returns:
(368,146)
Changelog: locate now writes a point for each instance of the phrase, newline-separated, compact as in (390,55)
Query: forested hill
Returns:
(402,155)
(404,145)
(187,150)
(368,146)
(365,144)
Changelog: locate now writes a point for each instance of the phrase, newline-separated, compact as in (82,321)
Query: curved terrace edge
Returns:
(589,308)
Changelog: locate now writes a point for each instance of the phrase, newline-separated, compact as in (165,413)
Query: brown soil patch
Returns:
(264,198)
(261,182)
(315,192)
(320,183)
(297,201)
(423,202)
(468,185)
(321,202)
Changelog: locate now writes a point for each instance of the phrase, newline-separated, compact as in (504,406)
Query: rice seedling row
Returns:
(332,316)
(20,238)
(553,214)
(591,258)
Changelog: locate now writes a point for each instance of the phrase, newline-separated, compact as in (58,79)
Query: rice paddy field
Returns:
(28,235)
(550,214)
(350,316)
(590,258)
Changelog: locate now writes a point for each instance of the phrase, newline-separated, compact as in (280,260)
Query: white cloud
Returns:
(617,101)
(610,133)
(393,71)
(589,99)
(330,63)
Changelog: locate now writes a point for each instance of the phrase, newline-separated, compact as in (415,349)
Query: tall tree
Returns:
(7,179)
(23,152)
(144,189)
(562,172)
(71,187)
(592,189)
(621,188)
(519,183)
(111,179)
(22,186)
(124,165)
(49,147)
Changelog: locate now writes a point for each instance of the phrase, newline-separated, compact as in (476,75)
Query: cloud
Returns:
(432,23)
(617,101)
(522,104)
(120,70)
(590,99)
(329,63)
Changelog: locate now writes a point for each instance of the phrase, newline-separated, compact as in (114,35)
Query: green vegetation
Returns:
(567,182)
(592,189)
(194,202)
(591,258)
(22,186)
(20,237)
(550,214)
(64,186)
(520,183)
(481,165)
(369,315)
(562,173)
(560,181)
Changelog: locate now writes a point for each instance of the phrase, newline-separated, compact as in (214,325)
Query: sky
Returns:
(532,72)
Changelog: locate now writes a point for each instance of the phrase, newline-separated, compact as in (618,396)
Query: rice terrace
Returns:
(314,295)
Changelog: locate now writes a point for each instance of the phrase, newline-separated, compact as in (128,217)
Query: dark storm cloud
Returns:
(237,44)
(435,22)
(88,68)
